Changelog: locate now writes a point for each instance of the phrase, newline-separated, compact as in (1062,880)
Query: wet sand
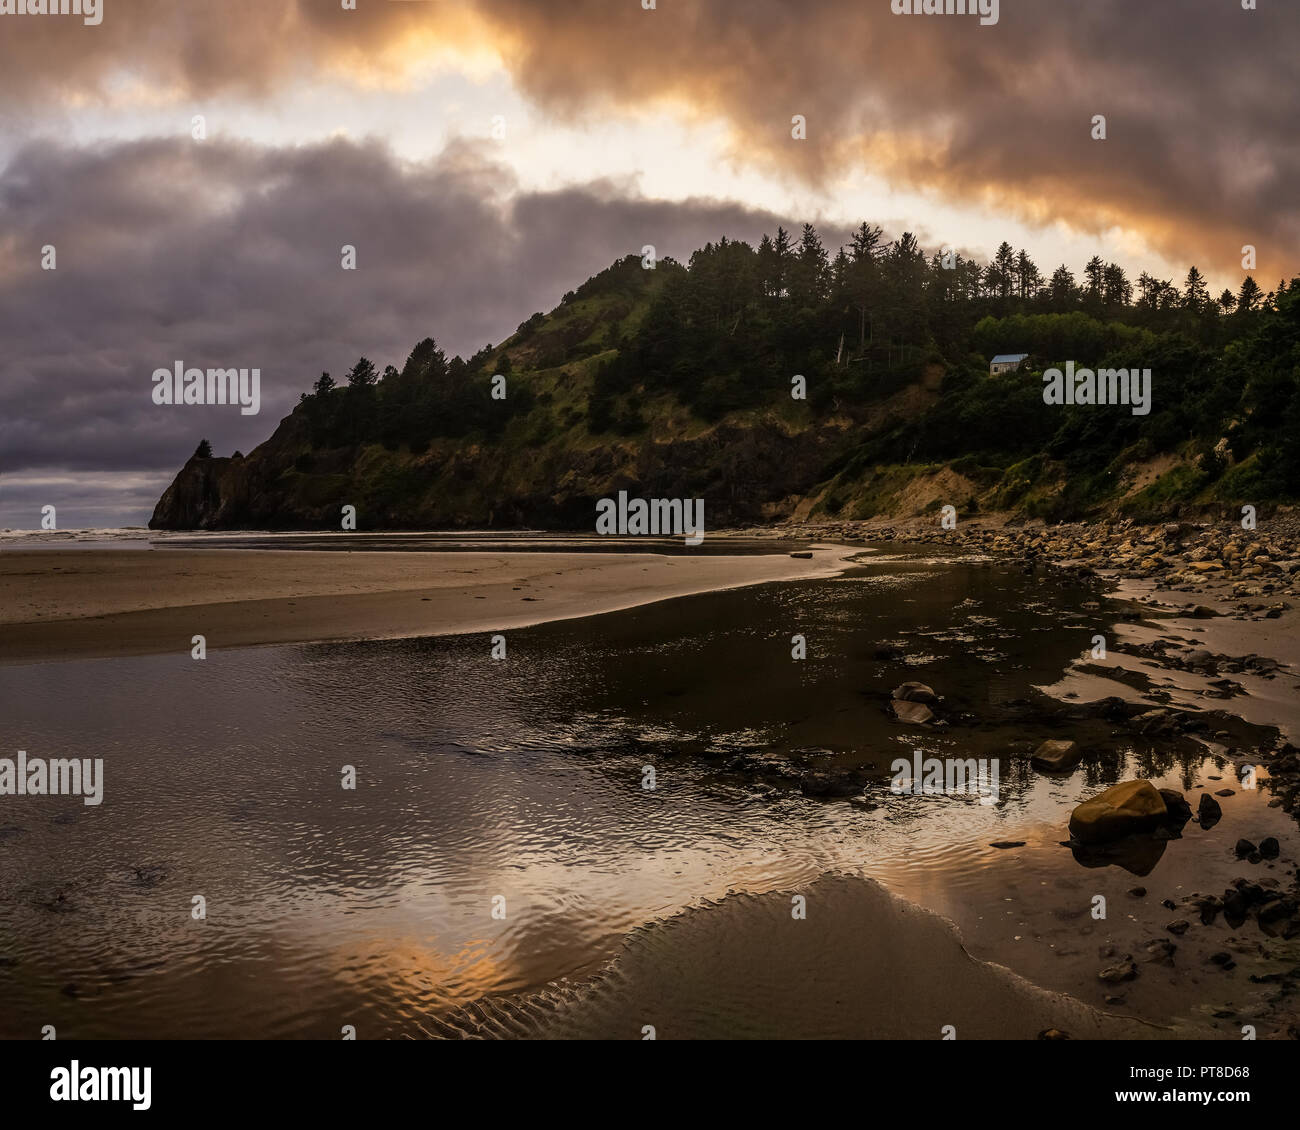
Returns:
(1267,701)
(862,965)
(89,603)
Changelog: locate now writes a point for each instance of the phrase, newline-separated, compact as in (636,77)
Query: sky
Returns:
(485,156)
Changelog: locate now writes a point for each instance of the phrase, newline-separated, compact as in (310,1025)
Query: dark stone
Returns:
(1156,724)
(915,692)
(1161,951)
(1179,810)
(1057,756)
(1234,908)
(1123,970)
(1273,910)
(1253,893)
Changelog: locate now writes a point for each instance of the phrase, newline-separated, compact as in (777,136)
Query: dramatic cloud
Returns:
(1200,156)
(226,254)
(163,49)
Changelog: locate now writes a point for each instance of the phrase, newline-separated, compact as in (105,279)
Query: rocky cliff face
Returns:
(194,501)
(232,493)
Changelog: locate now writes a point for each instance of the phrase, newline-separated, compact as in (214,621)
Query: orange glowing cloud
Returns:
(1199,155)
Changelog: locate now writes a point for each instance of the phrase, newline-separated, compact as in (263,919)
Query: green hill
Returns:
(677,382)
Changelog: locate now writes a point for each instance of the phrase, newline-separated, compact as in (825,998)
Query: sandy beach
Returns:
(90,603)
(746,967)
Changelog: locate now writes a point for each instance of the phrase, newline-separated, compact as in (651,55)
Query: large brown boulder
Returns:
(1130,806)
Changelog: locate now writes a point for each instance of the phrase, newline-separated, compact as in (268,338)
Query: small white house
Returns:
(1006,362)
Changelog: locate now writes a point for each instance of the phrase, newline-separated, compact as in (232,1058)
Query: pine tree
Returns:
(864,279)
(1196,295)
(1116,289)
(1029,279)
(866,243)
(1093,273)
(1004,266)
(810,268)
(363,374)
(426,363)
(767,270)
(781,259)
(1148,291)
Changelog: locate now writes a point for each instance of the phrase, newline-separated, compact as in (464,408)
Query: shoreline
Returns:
(1197,584)
(58,605)
(75,603)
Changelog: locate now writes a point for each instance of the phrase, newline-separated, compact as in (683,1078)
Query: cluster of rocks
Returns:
(1202,661)
(1249,574)
(812,770)
(1262,563)
(1256,568)
(1284,777)
(1276,912)
(1138,808)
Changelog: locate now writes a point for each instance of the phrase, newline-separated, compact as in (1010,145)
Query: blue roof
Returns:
(1002,357)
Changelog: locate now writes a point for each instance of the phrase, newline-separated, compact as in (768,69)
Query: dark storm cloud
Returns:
(1198,94)
(222,254)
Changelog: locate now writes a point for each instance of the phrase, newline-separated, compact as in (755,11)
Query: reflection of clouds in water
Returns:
(518,778)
